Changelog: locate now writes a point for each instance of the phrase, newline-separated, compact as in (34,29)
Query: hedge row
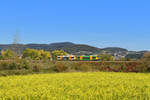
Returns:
(104,66)
(29,67)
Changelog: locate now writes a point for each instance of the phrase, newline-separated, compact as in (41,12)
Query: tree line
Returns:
(35,54)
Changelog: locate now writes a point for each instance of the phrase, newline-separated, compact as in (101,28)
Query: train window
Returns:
(65,58)
(85,57)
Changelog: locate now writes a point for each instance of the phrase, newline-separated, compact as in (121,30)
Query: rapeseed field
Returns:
(76,86)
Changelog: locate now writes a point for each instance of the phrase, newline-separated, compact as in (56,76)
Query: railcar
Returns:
(78,58)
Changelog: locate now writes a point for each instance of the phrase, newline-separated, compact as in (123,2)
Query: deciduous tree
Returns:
(56,53)
(7,54)
(36,54)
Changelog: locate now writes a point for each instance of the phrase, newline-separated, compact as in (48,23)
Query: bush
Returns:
(144,66)
(13,65)
(4,65)
(61,67)
(36,68)
(24,64)
(85,67)
(16,64)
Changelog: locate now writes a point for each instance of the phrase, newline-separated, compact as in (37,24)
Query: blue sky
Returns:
(101,23)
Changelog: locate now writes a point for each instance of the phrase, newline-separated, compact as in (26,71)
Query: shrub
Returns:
(24,64)
(84,67)
(4,65)
(143,66)
(13,65)
(36,68)
(60,67)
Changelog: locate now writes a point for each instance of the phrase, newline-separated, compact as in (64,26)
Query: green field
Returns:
(76,86)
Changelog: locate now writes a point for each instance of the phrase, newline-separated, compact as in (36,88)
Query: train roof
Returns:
(77,56)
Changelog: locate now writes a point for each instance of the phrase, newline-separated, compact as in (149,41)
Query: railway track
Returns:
(81,61)
(101,61)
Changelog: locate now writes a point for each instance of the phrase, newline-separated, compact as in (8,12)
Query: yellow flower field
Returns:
(76,86)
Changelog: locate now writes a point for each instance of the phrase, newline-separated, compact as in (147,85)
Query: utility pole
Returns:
(15,46)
